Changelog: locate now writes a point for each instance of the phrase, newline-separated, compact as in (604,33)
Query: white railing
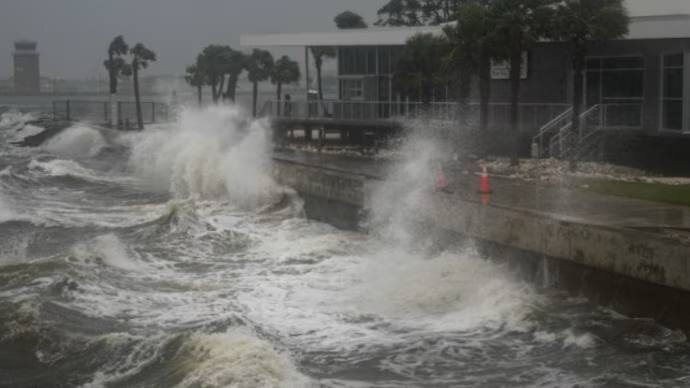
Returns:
(98,112)
(532,115)
(593,121)
(549,128)
(562,142)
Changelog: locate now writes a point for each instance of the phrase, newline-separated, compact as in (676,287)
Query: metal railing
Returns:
(561,143)
(532,115)
(550,129)
(99,111)
(593,122)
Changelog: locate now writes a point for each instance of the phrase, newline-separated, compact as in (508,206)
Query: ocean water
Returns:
(171,258)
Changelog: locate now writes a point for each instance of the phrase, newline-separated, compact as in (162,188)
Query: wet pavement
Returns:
(551,200)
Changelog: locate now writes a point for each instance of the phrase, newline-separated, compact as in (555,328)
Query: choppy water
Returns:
(170,258)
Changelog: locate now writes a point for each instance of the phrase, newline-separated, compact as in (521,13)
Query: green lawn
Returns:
(677,195)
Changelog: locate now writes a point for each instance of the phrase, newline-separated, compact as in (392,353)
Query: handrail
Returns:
(561,141)
(548,127)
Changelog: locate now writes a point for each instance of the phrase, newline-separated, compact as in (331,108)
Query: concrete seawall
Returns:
(637,272)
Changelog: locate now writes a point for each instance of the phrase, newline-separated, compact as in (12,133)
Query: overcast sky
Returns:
(73,35)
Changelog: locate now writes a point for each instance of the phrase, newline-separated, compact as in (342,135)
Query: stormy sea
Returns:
(171,258)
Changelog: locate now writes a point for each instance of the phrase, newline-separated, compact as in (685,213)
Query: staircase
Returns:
(557,140)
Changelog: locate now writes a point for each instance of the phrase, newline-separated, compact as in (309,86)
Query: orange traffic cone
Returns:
(485,199)
(484,187)
(441,182)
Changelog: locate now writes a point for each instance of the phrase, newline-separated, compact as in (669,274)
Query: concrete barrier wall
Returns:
(635,254)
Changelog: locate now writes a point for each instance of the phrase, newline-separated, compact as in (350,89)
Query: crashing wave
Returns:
(78,141)
(236,360)
(14,120)
(213,153)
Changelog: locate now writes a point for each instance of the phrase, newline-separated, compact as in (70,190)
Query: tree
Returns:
(285,71)
(473,44)
(115,64)
(437,12)
(233,65)
(519,24)
(319,54)
(217,61)
(349,20)
(210,63)
(259,66)
(141,57)
(582,24)
(421,66)
(418,12)
(397,13)
(195,77)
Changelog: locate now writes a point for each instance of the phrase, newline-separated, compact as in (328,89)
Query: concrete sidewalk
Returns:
(555,202)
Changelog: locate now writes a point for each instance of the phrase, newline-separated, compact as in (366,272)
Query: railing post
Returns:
(119,114)
(68,113)
(105,112)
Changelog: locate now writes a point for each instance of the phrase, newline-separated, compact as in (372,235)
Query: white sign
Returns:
(501,69)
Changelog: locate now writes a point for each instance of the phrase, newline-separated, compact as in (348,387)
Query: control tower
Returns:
(27,76)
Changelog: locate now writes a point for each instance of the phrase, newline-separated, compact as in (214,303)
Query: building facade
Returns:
(27,75)
(642,81)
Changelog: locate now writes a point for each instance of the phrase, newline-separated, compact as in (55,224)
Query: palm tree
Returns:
(582,24)
(259,66)
(141,56)
(519,24)
(196,78)
(233,65)
(320,53)
(285,71)
(210,61)
(115,65)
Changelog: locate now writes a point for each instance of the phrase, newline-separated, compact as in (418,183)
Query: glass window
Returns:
(384,88)
(349,62)
(384,60)
(673,83)
(351,89)
(673,114)
(623,84)
(371,60)
(672,96)
(673,60)
(360,61)
(594,63)
(623,63)
(593,87)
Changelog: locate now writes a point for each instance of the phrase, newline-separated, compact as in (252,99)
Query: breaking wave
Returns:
(63,168)
(212,153)
(209,275)
(14,120)
(236,360)
(107,249)
(79,141)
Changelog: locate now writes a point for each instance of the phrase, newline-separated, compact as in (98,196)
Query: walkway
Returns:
(555,202)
